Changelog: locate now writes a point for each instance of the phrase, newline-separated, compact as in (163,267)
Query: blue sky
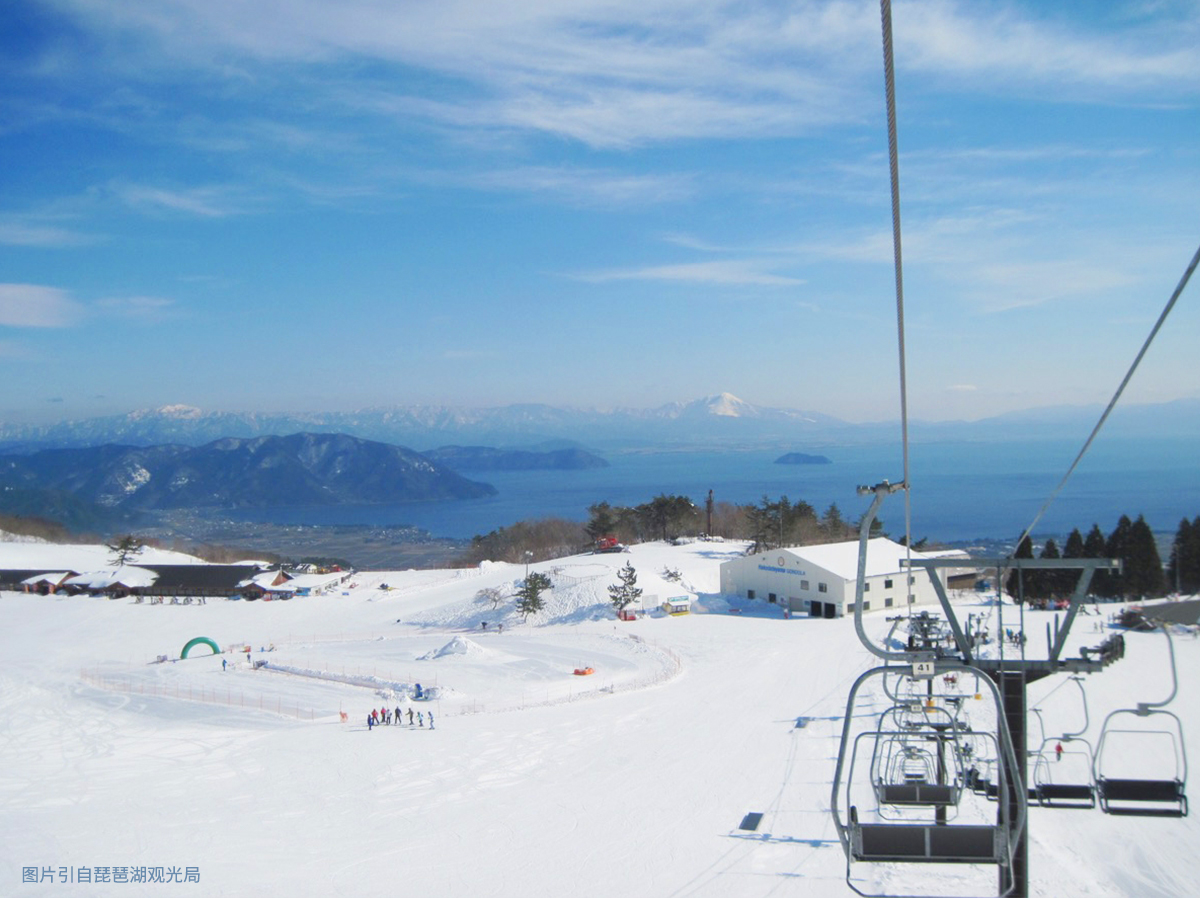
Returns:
(319,205)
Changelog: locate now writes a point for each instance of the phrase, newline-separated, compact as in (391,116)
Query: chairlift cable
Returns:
(889,77)
(1121,389)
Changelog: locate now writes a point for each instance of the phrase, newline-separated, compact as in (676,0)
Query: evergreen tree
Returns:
(1143,566)
(627,591)
(529,596)
(833,524)
(758,521)
(1073,548)
(1117,546)
(125,549)
(1049,583)
(1183,573)
(602,521)
(1017,584)
(1094,547)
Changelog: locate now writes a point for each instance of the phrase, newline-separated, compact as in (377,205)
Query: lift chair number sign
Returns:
(922,668)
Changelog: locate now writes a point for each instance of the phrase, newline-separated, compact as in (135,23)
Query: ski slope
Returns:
(631,781)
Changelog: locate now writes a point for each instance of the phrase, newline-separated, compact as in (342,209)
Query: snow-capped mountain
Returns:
(722,417)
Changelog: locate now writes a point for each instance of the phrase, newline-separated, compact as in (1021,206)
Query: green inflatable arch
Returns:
(199,640)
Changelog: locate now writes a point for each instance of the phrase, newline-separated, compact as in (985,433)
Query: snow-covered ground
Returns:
(630,781)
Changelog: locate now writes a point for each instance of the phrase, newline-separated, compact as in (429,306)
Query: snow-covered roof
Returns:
(126,575)
(317,581)
(265,579)
(883,557)
(54,577)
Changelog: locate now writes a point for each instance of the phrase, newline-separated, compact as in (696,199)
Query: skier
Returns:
(399,716)
(431,720)
(1058,751)
(410,716)
(421,718)
(223,664)
(370,720)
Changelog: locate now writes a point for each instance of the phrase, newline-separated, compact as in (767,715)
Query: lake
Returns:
(960,491)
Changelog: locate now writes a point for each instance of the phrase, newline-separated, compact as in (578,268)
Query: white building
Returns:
(820,580)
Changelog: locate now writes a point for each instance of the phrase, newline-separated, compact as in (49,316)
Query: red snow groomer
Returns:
(606,544)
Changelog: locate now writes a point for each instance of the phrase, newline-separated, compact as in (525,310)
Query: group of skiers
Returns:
(385,717)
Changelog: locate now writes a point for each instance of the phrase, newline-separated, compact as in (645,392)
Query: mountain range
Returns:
(300,469)
(720,420)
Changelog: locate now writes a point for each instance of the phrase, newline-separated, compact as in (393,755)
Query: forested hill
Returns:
(300,469)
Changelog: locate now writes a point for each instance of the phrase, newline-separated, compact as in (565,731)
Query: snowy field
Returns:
(630,781)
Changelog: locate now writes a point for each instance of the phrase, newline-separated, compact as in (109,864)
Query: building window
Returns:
(804,584)
(887,603)
(771,597)
(749,593)
(866,587)
(866,606)
(887,584)
(850,608)
(821,587)
(911,598)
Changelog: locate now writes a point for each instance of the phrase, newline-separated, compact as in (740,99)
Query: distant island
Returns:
(487,458)
(802,458)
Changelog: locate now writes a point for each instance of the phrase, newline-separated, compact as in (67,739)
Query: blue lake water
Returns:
(960,491)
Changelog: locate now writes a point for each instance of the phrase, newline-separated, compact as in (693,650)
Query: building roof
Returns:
(211,577)
(883,557)
(126,575)
(54,577)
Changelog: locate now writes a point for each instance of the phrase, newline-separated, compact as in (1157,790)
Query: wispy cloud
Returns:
(33,305)
(25,231)
(727,272)
(145,309)
(205,202)
(589,187)
(619,73)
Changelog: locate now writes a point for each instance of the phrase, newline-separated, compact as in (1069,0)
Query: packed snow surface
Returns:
(538,779)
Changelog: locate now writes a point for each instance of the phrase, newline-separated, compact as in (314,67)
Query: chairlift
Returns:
(1164,796)
(918,785)
(915,766)
(1050,788)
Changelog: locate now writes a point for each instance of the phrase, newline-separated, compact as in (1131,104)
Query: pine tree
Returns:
(529,596)
(1183,574)
(1143,566)
(1049,583)
(1017,584)
(627,591)
(1094,547)
(1117,546)
(125,549)
(602,521)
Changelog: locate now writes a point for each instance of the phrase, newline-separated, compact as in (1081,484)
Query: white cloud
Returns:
(20,231)
(619,73)
(147,309)
(205,202)
(742,272)
(32,305)
(589,187)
